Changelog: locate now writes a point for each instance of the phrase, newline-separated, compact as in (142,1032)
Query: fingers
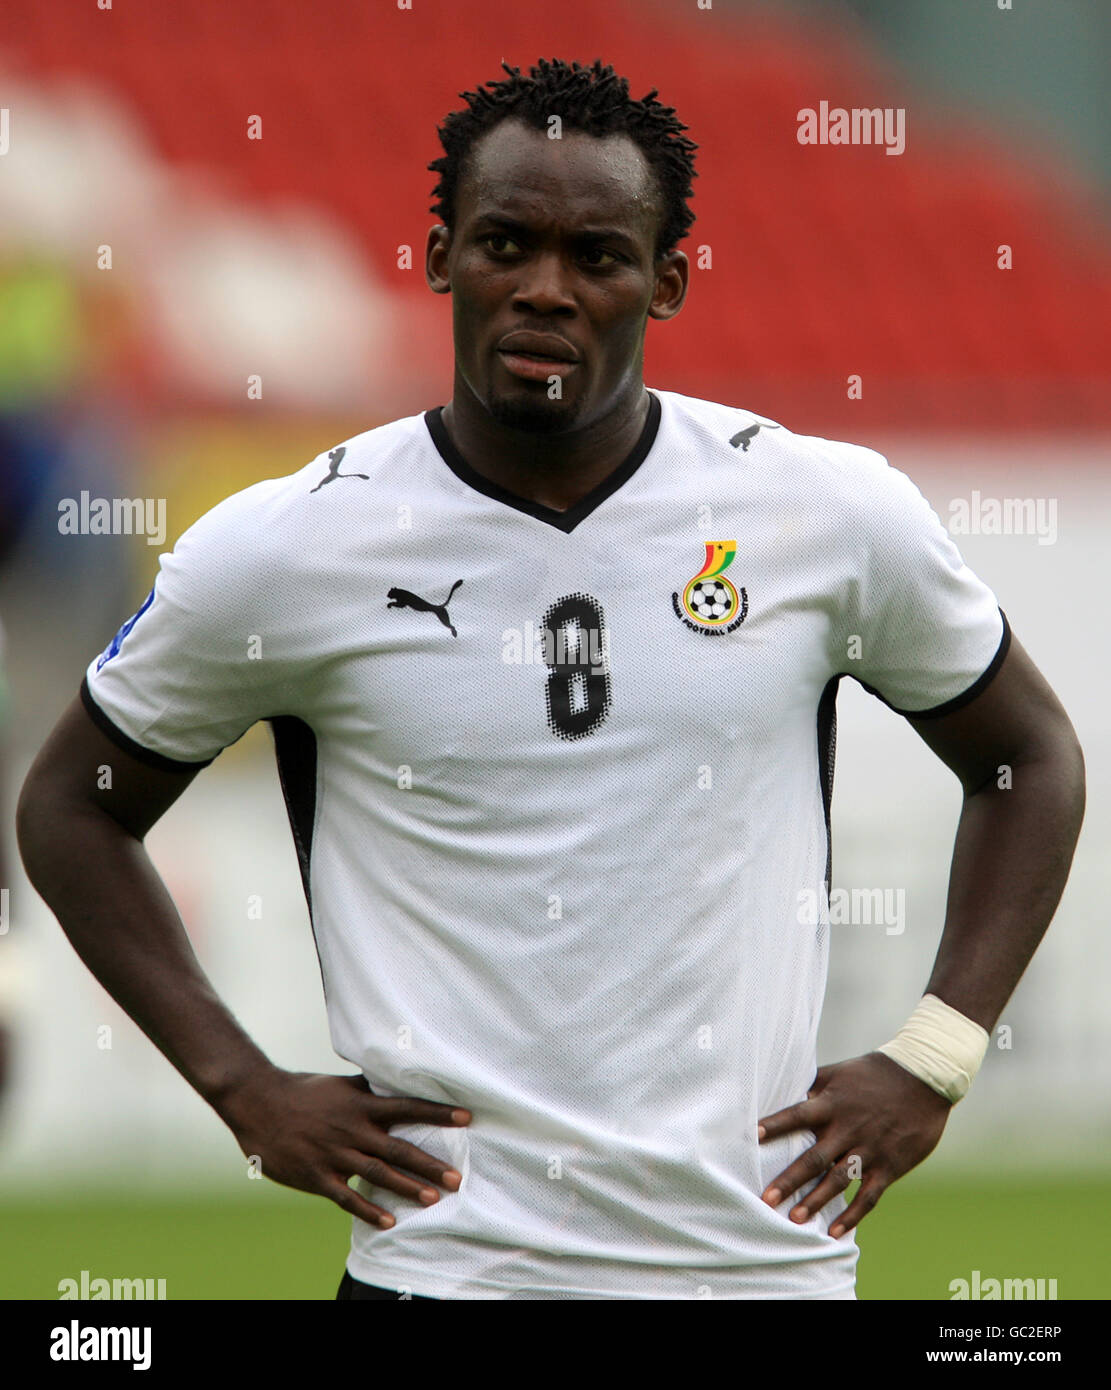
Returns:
(398,1110)
(839,1177)
(375,1168)
(316,1131)
(378,1174)
(348,1200)
(866,1122)
(871,1190)
(808,1166)
(406,1155)
(806,1114)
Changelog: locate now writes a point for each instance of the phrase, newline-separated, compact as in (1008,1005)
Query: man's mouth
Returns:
(535,356)
(535,366)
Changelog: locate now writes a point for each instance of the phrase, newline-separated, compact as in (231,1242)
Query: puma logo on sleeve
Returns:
(745,437)
(336,458)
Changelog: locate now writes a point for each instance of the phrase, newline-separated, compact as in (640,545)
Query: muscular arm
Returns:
(1022,771)
(1020,765)
(83,850)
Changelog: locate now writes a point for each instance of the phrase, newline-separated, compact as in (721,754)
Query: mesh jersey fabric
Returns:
(565,896)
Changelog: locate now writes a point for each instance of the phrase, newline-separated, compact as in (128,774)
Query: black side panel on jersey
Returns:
(295,752)
(827,747)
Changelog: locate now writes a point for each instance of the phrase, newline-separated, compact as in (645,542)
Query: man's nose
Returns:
(543,284)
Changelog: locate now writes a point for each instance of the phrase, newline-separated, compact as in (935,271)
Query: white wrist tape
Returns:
(939,1046)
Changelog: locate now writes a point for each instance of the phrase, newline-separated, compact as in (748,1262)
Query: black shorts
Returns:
(354,1288)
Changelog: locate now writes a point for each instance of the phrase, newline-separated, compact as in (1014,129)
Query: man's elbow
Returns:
(43,827)
(1073,760)
(1060,763)
(31,833)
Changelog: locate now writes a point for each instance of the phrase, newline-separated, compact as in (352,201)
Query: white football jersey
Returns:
(558,782)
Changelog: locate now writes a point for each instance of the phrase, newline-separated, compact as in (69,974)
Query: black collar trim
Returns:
(562,521)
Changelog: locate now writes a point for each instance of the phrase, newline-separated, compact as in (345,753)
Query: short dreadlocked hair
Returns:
(594,100)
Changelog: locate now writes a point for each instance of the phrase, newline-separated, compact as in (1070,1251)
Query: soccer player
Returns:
(557,752)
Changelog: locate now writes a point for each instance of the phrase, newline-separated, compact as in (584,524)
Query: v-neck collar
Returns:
(562,521)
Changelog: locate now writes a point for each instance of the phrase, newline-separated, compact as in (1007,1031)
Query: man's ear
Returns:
(672,279)
(435,259)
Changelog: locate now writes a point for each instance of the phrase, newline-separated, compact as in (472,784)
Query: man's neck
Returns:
(554,470)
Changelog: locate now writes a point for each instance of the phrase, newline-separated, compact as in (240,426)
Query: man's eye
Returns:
(510,245)
(599,251)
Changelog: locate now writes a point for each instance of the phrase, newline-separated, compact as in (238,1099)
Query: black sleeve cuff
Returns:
(128,744)
(976,688)
(965,697)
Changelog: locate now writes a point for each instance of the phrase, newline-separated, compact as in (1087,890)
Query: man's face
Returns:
(553,274)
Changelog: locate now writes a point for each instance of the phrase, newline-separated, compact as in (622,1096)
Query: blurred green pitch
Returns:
(280,1244)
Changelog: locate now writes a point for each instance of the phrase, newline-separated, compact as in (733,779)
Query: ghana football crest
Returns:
(711,603)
